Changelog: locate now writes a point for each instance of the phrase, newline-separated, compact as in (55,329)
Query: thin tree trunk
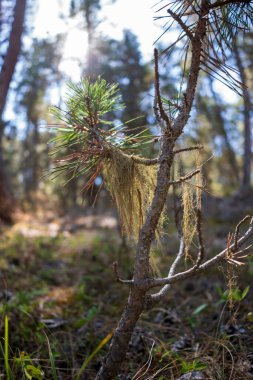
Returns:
(246,179)
(122,335)
(6,74)
(142,275)
(136,301)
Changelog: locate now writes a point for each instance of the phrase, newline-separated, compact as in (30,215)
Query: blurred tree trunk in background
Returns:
(219,125)
(90,9)
(6,75)
(36,140)
(38,76)
(6,197)
(246,178)
(30,161)
(216,132)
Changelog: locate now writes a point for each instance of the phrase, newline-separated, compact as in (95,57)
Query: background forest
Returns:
(58,241)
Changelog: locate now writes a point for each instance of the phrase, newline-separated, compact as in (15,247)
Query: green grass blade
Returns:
(10,371)
(5,350)
(94,353)
(52,362)
(6,346)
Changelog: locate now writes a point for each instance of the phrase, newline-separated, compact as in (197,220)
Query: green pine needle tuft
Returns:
(87,135)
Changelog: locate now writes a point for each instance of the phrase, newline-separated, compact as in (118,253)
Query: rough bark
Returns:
(6,74)
(122,335)
(246,179)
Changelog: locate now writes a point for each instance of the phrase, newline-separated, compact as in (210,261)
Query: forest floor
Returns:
(60,303)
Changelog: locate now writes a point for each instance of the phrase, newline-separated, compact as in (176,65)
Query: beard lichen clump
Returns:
(132,187)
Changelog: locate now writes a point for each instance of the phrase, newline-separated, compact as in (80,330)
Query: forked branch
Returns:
(116,274)
(153,299)
(178,19)
(154,161)
(208,264)
(186,177)
(237,230)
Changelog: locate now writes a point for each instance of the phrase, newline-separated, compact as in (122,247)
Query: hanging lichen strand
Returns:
(96,147)
(191,202)
(189,216)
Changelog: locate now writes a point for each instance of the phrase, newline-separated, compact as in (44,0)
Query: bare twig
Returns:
(116,274)
(237,229)
(230,255)
(197,147)
(178,19)
(185,178)
(163,114)
(156,297)
(177,259)
(154,161)
(165,289)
